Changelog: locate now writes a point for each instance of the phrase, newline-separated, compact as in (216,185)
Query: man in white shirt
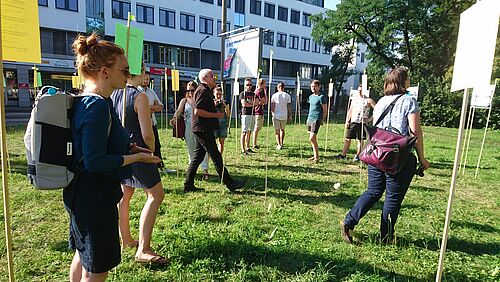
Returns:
(357,114)
(155,106)
(281,108)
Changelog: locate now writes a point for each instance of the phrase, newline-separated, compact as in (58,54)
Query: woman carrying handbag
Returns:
(405,118)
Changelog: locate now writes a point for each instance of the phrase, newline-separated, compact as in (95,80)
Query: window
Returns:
(228,3)
(207,1)
(239,6)
(181,56)
(146,53)
(145,14)
(316,47)
(306,19)
(239,20)
(295,16)
(71,5)
(95,9)
(327,50)
(281,40)
(269,10)
(219,30)
(294,42)
(282,13)
(363,57)
(305,44)
(255,7)
(269,37)
(167,18)
(120,9)
(43,3)
(206,25)
(187,22)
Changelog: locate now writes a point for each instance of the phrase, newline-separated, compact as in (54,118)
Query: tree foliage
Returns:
(419,34)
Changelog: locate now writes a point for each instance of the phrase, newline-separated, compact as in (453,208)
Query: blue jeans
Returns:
(395,187)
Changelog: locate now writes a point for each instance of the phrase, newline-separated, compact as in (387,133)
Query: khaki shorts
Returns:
(278,123)
(247,123)
(259,122)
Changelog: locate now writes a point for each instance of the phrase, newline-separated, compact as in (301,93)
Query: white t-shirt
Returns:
(152,97)
(281,100)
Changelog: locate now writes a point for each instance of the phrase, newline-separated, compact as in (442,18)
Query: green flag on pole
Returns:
(135,45)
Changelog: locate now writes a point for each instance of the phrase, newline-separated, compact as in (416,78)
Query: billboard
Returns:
(243,54)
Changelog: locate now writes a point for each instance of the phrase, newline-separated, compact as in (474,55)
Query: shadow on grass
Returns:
(475,226)
(449,165)
(426,189)
(454,244)
(257,183)
(235,253)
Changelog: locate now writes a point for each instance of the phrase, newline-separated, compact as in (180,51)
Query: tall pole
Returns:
(223,49)
(442,252)
(3,150)
(201,42)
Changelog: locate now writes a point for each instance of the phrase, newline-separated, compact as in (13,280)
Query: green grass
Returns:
(290,234)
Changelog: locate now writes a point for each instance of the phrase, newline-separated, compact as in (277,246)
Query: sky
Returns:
(330,4)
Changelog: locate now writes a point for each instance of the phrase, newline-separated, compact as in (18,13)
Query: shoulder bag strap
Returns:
(387,110)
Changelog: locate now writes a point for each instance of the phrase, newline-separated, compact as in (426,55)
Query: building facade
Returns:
(181,32)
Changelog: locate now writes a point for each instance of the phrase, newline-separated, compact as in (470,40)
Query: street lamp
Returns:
(201,42)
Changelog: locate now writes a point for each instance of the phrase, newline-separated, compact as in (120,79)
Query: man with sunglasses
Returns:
(204,123)
(247,116)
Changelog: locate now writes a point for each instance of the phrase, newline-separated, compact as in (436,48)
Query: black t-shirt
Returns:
(248,96)
(203,100)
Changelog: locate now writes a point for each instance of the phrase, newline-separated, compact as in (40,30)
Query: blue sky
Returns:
(330,4)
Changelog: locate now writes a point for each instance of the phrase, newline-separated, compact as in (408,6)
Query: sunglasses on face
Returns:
(125,71)
(190,90)
(248,84)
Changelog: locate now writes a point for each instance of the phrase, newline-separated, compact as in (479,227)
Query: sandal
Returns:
(311,159)
(154,260)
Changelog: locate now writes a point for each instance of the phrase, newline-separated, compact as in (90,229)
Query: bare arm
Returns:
(206,114)
(273,105)
(245,104)
(414,124)
(289,111)
(141,107)
(227,109)
(325,111)
(156,107)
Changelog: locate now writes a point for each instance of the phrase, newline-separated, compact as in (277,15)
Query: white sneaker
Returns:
(278,147)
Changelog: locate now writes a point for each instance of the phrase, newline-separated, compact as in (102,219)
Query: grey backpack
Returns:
(48,139)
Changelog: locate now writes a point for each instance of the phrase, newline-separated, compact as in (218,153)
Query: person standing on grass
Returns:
(205,122)
(222,107)
(145,176)
(185,109)
(405,117)
(155,106)
(357,114)
(247,119)
(259,102)
(102,153)
(281,108)
(315,118)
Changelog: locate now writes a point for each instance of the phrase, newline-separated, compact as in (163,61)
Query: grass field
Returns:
(290,234)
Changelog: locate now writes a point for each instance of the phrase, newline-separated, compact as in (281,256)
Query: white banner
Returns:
(476,45)
(246,49)
(481,96)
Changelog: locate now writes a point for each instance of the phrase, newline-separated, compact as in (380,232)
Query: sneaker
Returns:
(356,158)
(205,176)
(250,151)
(244,153)
(345,233)
(256,147)
(236,185)
(193,188)
(340,156)
(278,147)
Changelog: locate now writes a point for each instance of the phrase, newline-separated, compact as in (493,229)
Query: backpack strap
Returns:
(387,110)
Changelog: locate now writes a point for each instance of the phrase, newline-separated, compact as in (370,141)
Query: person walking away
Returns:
(315,118)
(281,109)
(405,117)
